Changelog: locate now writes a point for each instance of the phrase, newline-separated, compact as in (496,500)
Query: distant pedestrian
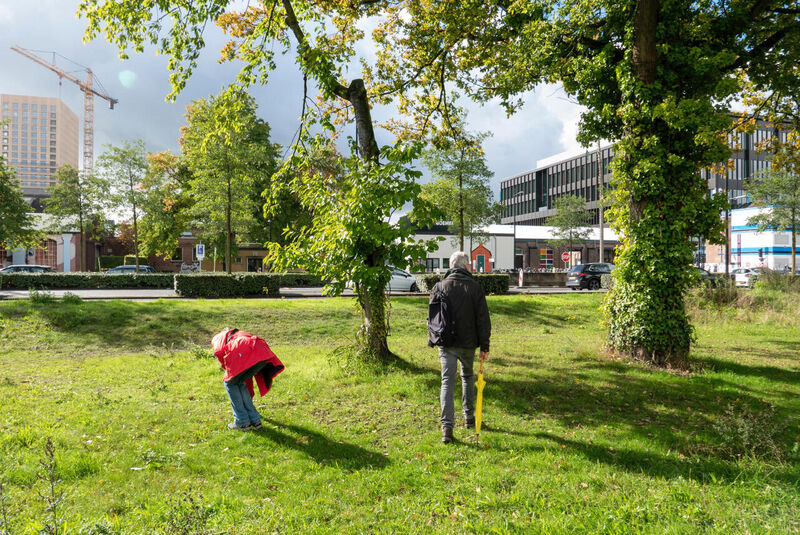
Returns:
(245,357)
(458,323)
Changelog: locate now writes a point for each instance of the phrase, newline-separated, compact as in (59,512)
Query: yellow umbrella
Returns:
(479,402)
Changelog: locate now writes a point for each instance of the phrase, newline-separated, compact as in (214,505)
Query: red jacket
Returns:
(244,356)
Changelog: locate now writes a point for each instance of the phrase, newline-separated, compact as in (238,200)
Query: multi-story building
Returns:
(528,198)
(39,135)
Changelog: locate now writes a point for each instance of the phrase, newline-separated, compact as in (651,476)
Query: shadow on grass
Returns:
(535,312)
(700,469)
(661,411)
(320,448)
(768,372)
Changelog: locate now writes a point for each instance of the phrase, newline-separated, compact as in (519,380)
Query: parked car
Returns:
(587,275)
(26,268)
(402,281)
(130,269)
(710,278)
(747,276)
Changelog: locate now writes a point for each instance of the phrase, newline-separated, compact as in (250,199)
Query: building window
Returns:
(237,260)
(446,263)
(431,264)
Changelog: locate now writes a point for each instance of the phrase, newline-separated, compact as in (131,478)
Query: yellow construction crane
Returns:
(88,103)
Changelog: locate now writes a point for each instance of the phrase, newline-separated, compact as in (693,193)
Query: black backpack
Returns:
(441,321)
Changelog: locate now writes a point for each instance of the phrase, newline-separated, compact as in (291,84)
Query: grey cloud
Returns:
(542,128)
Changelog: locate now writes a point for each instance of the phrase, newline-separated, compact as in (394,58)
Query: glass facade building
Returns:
(528,198)
(38,135)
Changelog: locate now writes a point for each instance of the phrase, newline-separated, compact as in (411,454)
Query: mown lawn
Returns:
(574,440)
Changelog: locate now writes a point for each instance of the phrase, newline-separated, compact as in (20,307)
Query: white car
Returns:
(402,281)
(745,276)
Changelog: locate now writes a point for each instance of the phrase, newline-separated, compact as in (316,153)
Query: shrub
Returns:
(748,432)
(70,298)
(721,294)
(85,280)
(41,298)
(222,285)
(775,280)
(490,282)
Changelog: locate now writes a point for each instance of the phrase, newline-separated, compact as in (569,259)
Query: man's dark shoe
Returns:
(447,435)
(469,423)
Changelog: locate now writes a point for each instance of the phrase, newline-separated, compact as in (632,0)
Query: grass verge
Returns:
(574,440)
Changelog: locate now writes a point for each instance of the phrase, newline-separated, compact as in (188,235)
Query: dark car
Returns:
(587,275)
(26,268)
(712,279)
(131,269)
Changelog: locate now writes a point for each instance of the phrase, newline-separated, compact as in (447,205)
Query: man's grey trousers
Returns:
(450,357)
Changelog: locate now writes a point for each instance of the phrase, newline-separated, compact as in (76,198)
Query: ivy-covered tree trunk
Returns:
(660,201)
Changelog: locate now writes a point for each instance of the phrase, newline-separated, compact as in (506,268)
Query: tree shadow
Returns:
(768,372)
(671,412)
(696,468)
(321,449)
(534,312)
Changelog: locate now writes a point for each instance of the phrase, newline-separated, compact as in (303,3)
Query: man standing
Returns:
(468,314)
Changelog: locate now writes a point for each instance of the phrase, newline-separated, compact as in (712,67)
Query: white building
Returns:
(751,248)
(502,250)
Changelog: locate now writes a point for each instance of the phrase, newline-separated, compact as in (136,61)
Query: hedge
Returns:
(212,285)
(301,280)
(40,281)
(606,281)
(490,282)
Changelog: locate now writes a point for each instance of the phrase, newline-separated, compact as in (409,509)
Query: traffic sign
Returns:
(200,251)
(565,256)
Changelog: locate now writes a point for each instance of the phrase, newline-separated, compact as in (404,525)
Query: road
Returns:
(289,293)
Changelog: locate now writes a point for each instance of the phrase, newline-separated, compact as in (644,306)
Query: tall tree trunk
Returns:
(374,303)
(135,233)
(794,242)
(461,210)
(80,244)
(645,308)
(228,228)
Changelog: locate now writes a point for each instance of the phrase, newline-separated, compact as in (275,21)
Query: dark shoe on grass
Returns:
(447,435)
(256,426)
(469,423)
(234,427)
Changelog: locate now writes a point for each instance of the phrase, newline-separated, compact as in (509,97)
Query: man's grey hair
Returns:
(460,259)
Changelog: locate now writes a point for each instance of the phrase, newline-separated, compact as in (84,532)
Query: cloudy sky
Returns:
(545,126)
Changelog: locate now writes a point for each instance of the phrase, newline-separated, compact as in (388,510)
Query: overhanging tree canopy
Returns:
(655,75)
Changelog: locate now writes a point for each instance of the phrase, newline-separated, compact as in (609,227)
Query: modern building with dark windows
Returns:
(528,197)
(38,135)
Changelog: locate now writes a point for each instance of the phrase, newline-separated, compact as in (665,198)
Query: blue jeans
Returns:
(449,357)
(244,412)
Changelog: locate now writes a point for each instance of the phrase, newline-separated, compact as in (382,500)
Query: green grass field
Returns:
(574,440)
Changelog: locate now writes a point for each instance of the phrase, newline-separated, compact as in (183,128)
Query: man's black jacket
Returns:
(473,326)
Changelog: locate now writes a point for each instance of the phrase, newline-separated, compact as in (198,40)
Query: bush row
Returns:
(301,280)
(490,282)
(41,281)
(214,285)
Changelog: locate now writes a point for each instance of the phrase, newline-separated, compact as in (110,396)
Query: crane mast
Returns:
(89,93)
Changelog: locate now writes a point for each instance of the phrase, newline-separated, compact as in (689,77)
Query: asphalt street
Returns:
(289,293)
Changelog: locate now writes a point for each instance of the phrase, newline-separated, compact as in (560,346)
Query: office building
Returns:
(39,135)
(528,198)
